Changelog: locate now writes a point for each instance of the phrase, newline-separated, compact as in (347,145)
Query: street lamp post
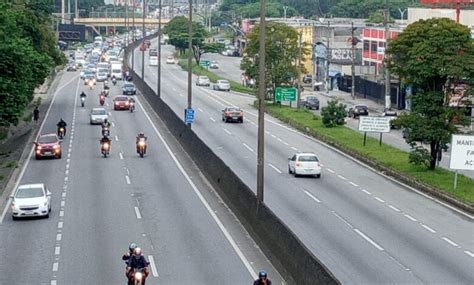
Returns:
(190,55)
(143,39)
(387,71)
(133,34)
(353,44)
(158,87)
(328,80)
(261,105)
(299,71)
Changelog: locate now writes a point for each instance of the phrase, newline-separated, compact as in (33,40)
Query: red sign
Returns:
(446,1)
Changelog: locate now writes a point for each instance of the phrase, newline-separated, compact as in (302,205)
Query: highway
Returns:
(100,205)
(363,226)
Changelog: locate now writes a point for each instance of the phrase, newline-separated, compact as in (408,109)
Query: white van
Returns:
(153,60)
(116,71)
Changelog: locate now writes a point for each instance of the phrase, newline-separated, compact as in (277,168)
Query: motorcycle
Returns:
(102,100)
(132,107)
(137,276)
(105,132)
(61,133)
(83,101)
(91,85)
(114,81)
(105,148)
(106,92)
(141,147)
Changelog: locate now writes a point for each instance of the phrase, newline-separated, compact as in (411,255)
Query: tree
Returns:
(282,52)
(334,114)
(199,50)
(363,9)
(432,55)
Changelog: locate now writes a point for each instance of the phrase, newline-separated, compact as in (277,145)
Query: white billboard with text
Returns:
(374,124)
(462,152)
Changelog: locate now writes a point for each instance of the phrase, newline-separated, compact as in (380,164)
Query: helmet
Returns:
(132,246)
(106,120)
(137,251)
(262,274)
(141,134)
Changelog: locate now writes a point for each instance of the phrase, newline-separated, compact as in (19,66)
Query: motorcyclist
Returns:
(137,261)
(141,136)
(106,124)
(106,85)
(83,95)
(102,98)
(114,81)
(131,101)
(262,279)
(61,124)
(105,139)
(126,256)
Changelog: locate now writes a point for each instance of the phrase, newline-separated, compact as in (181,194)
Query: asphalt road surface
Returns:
(100,205)
(366,228)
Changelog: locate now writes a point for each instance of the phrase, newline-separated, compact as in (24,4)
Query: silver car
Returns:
(102,76)
(203,81)
(98,115)
(223,85)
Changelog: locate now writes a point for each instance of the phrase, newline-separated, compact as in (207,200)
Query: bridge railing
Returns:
(107,14)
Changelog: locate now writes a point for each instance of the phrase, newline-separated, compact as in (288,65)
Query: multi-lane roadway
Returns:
(100,205)
(365,227)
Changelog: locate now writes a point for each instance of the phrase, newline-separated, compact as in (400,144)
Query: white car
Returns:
(304,163)
(102,76)
(153,60)
(222,85)
(203,81)
(31,200)
(170,60)
(98,115)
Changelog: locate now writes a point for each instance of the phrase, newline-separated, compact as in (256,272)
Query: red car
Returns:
(143,47)
(48,145)
(121,103)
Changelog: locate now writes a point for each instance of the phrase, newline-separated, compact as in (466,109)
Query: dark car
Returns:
(153,52)
(129,89)
(230,114)
(307,79)
(48,145)
(71,67)
(312,103)
(121,103)
(358,110)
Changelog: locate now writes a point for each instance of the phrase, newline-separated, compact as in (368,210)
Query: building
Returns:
(466,17)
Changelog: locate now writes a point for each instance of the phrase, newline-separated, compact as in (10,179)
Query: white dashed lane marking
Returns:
(353,184)
(61,213)
(366,192)
(312,196)
(469,253)
(59,237)
(342,177)
(55,266)
(369,239)
(274,168)
(212,119)
(248,147)
(380,200)
(121,155)
(127,179)
(428,228)
(410,217)
(450,241)
(60,225)
(57,250)
(153,266)
(294,148)
(137,213)
(227,131)
(394,208)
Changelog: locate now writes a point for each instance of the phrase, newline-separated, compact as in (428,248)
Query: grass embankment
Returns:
(234,86)
(386,155)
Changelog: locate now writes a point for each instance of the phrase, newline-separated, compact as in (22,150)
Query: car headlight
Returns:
(14,205)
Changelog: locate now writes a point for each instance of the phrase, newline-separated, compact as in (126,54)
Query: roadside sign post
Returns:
(204,63)
(462,154)
(189,115)
(285,94)
(369,124)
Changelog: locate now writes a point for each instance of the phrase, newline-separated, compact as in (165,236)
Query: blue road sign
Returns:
(189,115)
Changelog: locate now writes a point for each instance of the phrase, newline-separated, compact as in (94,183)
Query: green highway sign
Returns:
(285,94)
(204,63)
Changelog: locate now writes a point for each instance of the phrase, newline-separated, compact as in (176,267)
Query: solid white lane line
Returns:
(274,168)
(312,196)
(330,170)
(410,217)
(60,225)
(450,241)
(394,208)
(366,192)
(202,199)
(369,240)
(249,148)
(294,148)
(59,237)
(116,138)
(380,200)
(57,250)
(212,119)
(469,253)
(153,266)
(137,213)
(121,155)
(227,131)
(428,228)
(342,177)
(127,179)
(55,266)
(353,184)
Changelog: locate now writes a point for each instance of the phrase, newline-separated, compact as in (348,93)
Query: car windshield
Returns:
(121,98)
(98,112)
(204,78)
(233,109)
(307,158)
(128,85)
(47,139)
(224,81)
(103,74)
(361,107)
(32,192)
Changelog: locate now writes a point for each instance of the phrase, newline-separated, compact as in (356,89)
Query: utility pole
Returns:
(76,10)
(127,26)
(298,69)
(158,87)
(387,72)
(328,82)
(143,38)
(69,11)
(261,105)
(190,55)
(63,11)
(133,34)
(172,10)
(353,44)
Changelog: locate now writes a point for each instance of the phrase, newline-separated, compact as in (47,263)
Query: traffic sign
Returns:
(462,152)
(285,94)
(374,124)
(189,115)
(204,63)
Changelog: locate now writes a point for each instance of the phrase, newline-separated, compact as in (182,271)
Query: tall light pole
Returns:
(190,55)
(328,80)
(261,105)
(143,39)
(353,44)
(158,87)
(76,10)
(133,34)
(387,72)
(284,12)
(299,70)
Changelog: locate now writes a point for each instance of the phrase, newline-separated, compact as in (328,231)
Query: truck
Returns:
(116,71)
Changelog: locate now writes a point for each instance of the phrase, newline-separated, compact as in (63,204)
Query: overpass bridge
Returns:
(118,22)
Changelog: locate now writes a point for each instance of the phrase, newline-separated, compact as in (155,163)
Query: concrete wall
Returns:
(286,252)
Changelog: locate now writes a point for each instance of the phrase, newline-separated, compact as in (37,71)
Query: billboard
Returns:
(462,152)
(344,56)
